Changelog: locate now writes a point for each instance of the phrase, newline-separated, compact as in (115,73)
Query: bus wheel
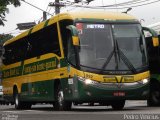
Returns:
(118,105)
(154,98)
(18,104)
(60,103)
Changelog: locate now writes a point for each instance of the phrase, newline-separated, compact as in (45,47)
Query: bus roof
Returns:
(98,15)
(75,15)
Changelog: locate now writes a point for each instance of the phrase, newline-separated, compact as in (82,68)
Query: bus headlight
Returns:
(144,81)
(87,81)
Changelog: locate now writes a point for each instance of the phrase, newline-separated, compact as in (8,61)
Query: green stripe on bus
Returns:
(43,65)
(30,31)
(46,23)
(13,72)
(47,64)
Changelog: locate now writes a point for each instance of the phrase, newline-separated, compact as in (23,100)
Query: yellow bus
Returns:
(77,57)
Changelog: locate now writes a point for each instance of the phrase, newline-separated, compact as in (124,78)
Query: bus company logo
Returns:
(95,26)
(119,79)
(116,79)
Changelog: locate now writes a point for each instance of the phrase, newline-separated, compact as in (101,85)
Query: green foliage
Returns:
(5,37)
(4,9)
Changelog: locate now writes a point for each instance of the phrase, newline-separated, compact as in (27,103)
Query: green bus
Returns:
(78,57)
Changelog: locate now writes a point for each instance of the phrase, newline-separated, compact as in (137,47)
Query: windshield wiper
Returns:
(125,59)
(105,64)
(120,55)
(107,61)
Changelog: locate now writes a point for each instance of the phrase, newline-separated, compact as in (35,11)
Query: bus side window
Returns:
(71,52)
(9,56)
(6,55)
(15,52)
(44,41)
(65,34)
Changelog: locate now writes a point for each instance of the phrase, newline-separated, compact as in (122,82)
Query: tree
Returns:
(5,37)
(4,9)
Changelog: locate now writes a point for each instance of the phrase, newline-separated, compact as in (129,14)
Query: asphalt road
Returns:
(133,110)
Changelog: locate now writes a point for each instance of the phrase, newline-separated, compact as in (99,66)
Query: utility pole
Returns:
(44,16)
(58,4)
(57,7)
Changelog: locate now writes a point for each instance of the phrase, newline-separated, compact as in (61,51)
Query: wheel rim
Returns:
(16,100)
(60,98)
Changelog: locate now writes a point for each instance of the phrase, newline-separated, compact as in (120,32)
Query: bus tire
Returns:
(17,102)
(154,98)
(61,104)
(118,105)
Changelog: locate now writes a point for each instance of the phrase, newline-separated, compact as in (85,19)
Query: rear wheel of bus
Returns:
(118,105)
(60,102)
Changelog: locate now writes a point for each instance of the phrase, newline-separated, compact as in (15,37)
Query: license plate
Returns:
(119,94)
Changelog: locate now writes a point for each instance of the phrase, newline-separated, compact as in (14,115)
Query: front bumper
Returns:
(82,92)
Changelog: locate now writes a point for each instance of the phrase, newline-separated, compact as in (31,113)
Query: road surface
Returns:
(133,110)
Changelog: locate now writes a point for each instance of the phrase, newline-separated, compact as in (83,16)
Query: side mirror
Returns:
(155,39)
(74,33)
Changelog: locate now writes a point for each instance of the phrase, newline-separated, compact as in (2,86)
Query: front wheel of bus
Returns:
(18,104)
(154,98)
(118,105)
(61,103)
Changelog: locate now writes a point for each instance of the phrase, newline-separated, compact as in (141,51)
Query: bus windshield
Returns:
(110,47)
